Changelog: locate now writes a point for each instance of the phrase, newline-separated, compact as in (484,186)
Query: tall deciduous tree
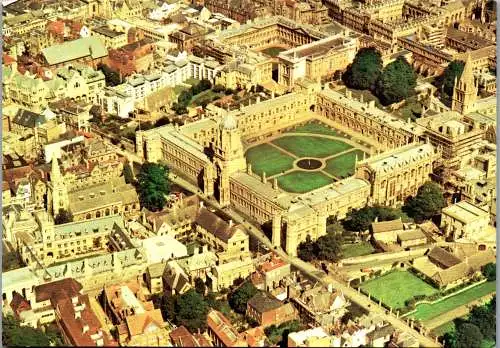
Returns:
(397,82)
(191,311)
(364,70)
(446,81)
(427,203)
(468,336)
(153,186)
(63,217)
(239,298)
(13,334)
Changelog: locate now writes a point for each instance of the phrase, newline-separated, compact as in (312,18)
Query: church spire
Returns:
(468,73)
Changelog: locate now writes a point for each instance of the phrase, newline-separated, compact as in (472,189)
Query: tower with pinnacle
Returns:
(228,156)
(465,90)
(58,192)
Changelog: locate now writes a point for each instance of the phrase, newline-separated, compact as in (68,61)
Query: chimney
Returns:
(201,204)
(249,168)
(230,223)
(275,183)
(78,315)
(348,94)
(85,328)
(264,179)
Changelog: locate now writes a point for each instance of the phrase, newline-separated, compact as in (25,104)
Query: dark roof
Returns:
(443,257)
(28,119)
(380,332)
(67,287)
(215,225)
(263,302)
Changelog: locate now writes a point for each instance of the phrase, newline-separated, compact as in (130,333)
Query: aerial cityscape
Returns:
(249,173)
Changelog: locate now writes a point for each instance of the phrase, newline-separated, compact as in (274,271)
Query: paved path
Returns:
(456,312)
(307,268)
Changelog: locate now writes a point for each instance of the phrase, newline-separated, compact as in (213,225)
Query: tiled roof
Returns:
(224,330)
(443,257)
(387,226)
(67,287)
(137,324)
(263,302)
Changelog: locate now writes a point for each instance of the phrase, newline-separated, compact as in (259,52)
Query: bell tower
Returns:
(465,89)
(228,155)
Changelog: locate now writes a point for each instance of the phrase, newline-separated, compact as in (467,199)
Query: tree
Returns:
(306,250)
(397,82)
(153,186)
(111,77)
(446,81)
(364,70)
(13,334)
(162,121)
(450,340)
(203,85)
(63,217)
(239,298)
(128,173)
(468,336)
(490,271)
(485,320)
(329,247)
(427,203)
(200,286)
(191,311)
(218,88)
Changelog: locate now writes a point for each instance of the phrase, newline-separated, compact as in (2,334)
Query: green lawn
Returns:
(266,158)
(396,287)
(441,330)
(343,165)
(357,249)
(315,128)
(300,182)
(310,146)
(428,311)
(191,81)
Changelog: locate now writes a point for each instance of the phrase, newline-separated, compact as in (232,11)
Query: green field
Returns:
(428,311)
(343,165)
(396,287)
(357,249)
(266,158)
(205,95)
(310,146)
(301,182)
(315,128)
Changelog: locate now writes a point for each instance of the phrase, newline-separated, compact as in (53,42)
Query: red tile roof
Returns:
(64,288)
(181,337)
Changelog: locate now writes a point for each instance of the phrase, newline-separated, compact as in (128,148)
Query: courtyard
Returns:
(307,157)
(396,287)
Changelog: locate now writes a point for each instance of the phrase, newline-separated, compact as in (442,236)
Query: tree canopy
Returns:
(13,334)
(364,70)
(200,286)
(63,217)
(327,247)
(427,203)
(446,81)
(191,311)
(239,298)
(397,82)
(468,336)
(490,271)
(153,186)
(485,320)
(361,219)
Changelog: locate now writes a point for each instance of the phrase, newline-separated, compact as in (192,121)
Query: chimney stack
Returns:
(264,179)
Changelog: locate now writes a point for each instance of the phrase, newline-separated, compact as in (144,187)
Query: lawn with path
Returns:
(267,158)
(357,249)
(396,287)
(343,166)
(301,182)
(428,311)
(310,146)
